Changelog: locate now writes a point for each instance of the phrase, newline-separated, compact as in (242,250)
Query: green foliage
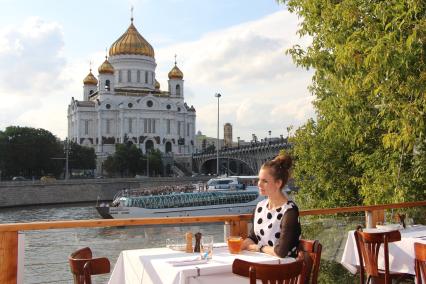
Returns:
(26,151)
(368,143)
(128,160)
(81,157)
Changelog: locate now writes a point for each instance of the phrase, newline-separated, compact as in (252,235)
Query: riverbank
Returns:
(28,193)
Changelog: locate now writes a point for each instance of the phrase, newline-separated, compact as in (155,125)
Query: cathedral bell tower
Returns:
(176,81)
(90,85)
(106,77)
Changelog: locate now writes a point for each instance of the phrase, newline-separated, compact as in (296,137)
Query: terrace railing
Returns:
(238,225)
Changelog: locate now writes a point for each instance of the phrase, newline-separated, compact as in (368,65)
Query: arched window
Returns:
(168,147)
(146,77)
(178,90)
(129,76)
(107,85)
(90,92)
(138,76)
(120,76)
(149,145)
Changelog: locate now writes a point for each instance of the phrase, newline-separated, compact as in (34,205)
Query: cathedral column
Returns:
(100,144)
(138,130)
(121,124)
(78,127)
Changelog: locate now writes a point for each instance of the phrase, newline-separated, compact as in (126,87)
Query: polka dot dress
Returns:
(267,223)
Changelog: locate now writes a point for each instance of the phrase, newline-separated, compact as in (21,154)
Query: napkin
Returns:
(187,261)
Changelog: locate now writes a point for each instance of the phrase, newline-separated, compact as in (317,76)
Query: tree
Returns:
(210,149)
(155,162)
(81,157)
(126,160)
(368,143)
(29,152)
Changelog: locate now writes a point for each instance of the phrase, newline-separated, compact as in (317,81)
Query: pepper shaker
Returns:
(197,247)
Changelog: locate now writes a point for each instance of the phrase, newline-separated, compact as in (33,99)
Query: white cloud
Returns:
(38,83)
(262,88)
(32,57)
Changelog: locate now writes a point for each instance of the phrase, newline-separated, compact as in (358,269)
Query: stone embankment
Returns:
(73,191)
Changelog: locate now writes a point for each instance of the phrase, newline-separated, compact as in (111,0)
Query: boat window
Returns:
(177,200)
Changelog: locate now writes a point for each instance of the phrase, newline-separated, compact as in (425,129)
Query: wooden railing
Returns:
(238,226)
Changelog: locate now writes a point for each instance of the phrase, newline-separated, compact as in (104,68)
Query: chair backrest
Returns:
(83,265)
(287,273)
(368,245)
(420,262)
(310,251)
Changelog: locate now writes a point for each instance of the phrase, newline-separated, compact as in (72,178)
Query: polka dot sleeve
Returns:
(289,235)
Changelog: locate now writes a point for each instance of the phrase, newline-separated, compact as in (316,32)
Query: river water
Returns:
(46,252)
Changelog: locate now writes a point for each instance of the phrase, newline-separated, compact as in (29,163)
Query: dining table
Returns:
(401,253)
(164,265)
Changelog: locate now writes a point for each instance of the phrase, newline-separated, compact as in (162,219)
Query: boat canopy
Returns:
(177,200)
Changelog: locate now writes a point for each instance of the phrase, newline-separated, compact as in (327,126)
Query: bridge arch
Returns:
(225,159)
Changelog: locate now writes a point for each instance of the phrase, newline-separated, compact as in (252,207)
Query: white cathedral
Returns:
(126,105)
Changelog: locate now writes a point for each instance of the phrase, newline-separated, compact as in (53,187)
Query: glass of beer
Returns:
(234,244)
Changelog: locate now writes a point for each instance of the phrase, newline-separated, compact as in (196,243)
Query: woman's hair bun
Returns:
(284,161)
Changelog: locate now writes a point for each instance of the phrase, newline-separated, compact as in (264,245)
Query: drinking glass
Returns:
(234,244)
(206,247)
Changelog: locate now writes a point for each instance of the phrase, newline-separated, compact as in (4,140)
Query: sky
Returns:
(232,47)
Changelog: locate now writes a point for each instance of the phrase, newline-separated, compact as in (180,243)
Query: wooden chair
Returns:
(420,262)
(288,273)
(368,245)
(310,252)
(83,265)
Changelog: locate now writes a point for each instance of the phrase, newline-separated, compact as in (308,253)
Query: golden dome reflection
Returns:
(90,79)
(131,42)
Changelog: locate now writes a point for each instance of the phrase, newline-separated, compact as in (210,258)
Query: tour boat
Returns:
(235,200)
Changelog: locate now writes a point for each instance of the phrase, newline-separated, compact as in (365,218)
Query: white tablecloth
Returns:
(401,253)
(151,266)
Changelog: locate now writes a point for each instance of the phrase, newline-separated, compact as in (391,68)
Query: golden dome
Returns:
(157,85)
(175,73)
(90,79)
(131,42)
(106,67)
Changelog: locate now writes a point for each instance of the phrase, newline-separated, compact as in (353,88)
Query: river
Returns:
(46,252)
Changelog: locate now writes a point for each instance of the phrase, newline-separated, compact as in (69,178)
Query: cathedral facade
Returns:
(125,104)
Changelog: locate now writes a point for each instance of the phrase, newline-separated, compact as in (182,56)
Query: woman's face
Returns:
(267,184)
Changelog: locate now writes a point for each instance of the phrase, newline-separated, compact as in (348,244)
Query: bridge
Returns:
(245,159)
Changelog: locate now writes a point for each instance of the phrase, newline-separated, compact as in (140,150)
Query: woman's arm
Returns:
(290,233)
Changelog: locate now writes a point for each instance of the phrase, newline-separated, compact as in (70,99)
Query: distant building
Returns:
(125,104)
(202,142)
(227,135)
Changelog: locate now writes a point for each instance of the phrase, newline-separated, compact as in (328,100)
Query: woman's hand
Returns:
(247,244)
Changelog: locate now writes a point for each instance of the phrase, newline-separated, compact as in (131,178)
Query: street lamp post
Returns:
(270,132)
(238,142)
(217,95)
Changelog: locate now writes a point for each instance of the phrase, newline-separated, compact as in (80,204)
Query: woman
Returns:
(276,228)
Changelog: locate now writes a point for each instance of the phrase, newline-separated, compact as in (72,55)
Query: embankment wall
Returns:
(73,191)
